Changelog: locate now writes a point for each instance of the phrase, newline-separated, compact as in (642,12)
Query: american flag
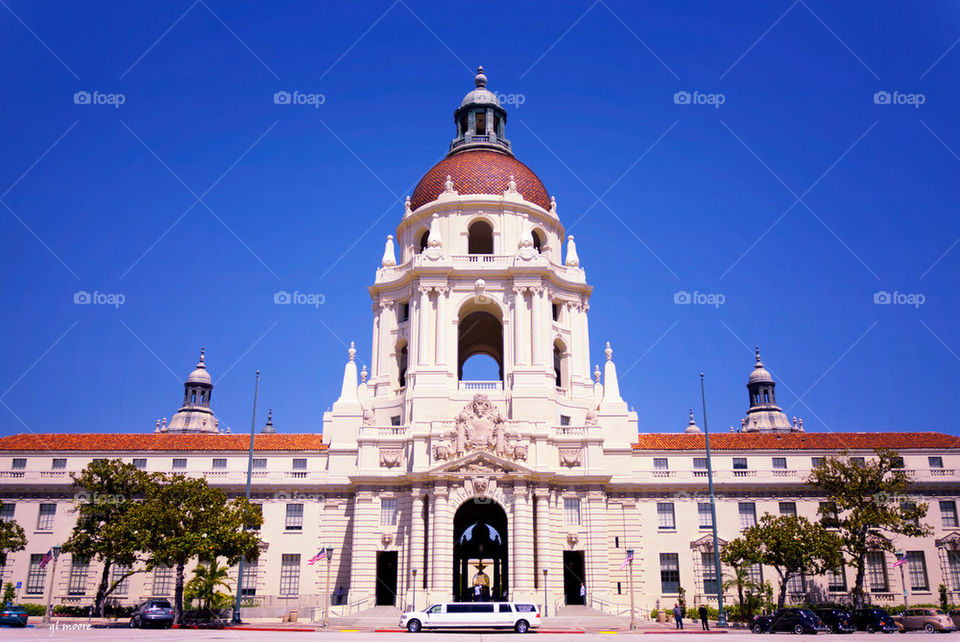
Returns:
(46,558)
(900,562)
(322,555)
(626,561)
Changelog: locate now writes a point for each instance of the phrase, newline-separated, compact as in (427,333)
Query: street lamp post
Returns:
(326,590)
(53,579)
(414,589)
(721,615)
(546,611)
(633,620)
(253,427)
(903,582)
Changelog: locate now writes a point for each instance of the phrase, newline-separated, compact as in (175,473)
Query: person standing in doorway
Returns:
(678,615)
(583,593)
(476,592)
(703,618)
(340,595)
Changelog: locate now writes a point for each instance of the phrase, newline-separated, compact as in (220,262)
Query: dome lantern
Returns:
(480,120)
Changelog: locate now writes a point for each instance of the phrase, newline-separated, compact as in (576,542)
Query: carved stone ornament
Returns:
(442,452)
(520,452)
(480,484)
(386,539)
(478,290)
(369,419)
(391,457)
(572,539)
(571,457)
(480,427)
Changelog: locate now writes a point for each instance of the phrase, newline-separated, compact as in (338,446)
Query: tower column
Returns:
(519,325)
(442,325)
(375,354)
(537,331)
(523,534)
(584,368)
(423,322)
(416,541)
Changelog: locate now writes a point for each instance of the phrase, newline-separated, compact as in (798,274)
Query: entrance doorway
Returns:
(480,552)
(572,576)
(386,578)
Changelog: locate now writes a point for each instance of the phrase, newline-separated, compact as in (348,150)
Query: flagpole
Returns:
(721,615)
(253,427)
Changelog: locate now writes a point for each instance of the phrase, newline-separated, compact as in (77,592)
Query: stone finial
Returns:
(202,351)
(433,238)
(389,253)
(157,429)
(406,207)
(800,424)
(596,373)
(228,430)
(609,352)
(512,185)
(163,425)
(794,422)
(363,374)
(481,78)
(756,350)
(572,259)
(448,184)
(352,351)
(553,205)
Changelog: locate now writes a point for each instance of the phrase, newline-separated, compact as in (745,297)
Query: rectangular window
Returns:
(249,588)
(661,463)
(907,507)
(669,573)
(395,420)
(290,574)
(816,462)
(797,584)
(779,463)
(917,569)
(59,464)
(388,512)
(259,509)
(858,461)
(755,574)
(179,463)
(896,462)
(77,585)
(788,508)
(116,572)
(953,570)
(19,463)
(36,576)
(162,580)
(403,311)
(299,464)
(666,520)
(739,463)
(140,463)
(260,463)
(219,464)
(294,520)
(48,512)
(828,514)
(6,513)
(709,562)
(556,311)
(748,514)
(837,581)
(948,512)
(571,511)
(564,420)
(704,515)
(877,579)
(700,463)
(935,462)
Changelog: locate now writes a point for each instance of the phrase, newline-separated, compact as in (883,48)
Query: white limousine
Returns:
(519,616)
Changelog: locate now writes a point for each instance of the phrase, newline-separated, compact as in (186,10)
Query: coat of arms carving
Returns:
(391,457)
(480,426)
(571,457)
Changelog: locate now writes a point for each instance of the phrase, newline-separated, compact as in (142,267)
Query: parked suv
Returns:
(872,620)
(153,613)
(928,620)
(838,620)
(794,620)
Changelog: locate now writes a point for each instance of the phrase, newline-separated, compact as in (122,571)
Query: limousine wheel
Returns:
(757,628)
(522,626)
(413,626)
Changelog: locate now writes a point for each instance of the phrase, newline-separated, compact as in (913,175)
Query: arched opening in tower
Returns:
(424,239)
(402,364)
(560,363)
(480,560)
(537,242)
(480,238)
(480,332)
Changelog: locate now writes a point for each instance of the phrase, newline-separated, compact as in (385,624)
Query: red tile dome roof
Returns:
(480,172)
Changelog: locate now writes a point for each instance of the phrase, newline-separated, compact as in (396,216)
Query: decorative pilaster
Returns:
(423,321)
(523,557)
(537,333)
(375,343)
(416,542)
(441,332)
(519,325)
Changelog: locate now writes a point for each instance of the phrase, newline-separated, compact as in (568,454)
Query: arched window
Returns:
(481,123)
(402,365)
(561,364)
(480,238)
(424,239)
(537,242)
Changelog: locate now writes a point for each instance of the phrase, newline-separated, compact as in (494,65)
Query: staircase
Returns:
(585,617)
(377,617)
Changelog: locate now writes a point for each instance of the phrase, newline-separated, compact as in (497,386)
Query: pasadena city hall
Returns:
(531,484)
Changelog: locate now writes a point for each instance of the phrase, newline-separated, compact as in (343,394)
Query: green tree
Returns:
(106,491)
(792,546)
(9,593)
(201,591)
(740,558)
(182,519)
(12,538)
(868,503)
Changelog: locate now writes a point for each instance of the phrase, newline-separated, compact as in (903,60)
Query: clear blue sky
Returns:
(695,197)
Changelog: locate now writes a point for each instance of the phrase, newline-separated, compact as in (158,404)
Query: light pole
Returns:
(546,611)
(253,426)
(414,589)
(901,561)
(633,621)
(721,615)
(326,590)
(53,579)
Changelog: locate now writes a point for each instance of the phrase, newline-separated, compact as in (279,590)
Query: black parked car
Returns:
(794,620)
(838,620)
(872,620)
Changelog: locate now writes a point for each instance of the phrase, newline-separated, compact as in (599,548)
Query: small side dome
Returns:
(759,374)
(200,375)
(268,428)
(692,427)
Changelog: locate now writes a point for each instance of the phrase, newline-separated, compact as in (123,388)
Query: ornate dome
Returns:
(200,375)
(759,373)
(480,171)
(481,95)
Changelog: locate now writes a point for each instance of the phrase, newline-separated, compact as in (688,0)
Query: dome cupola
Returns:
(480,120)
(196,415)
(764,414)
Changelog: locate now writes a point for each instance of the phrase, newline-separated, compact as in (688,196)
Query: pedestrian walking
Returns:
(678,616)
(703,618)
(583,593)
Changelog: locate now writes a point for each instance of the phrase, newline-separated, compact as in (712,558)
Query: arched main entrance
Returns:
(480,551)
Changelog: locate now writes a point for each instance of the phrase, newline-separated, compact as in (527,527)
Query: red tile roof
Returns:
(480,172)
(158,442)
(799,441)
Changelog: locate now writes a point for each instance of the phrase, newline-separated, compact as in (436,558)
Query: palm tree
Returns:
(202,587)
